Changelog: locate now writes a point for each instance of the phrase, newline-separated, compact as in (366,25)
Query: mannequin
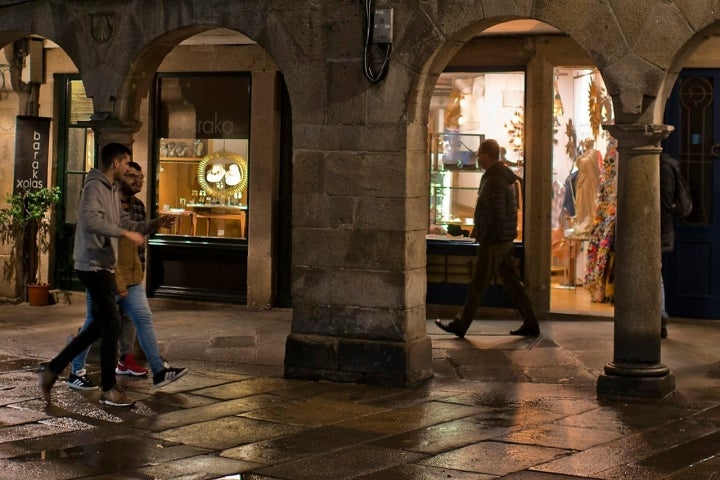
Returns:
(587,186)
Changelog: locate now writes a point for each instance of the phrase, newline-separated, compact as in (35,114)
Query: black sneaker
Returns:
(168,375)
(81,381)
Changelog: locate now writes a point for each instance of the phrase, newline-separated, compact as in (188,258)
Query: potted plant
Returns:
(25,224)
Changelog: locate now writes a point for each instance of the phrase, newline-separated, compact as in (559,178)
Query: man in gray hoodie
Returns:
(101,222)
(495,229)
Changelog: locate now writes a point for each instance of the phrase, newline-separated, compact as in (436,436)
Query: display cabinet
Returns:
(449,270)
(454,180)
(198,182)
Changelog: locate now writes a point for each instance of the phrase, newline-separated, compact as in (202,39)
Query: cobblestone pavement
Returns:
(497,407)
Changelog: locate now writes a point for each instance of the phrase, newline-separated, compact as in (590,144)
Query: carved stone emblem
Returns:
(102,26)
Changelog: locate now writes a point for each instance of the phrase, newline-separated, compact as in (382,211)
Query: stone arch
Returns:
(112,44)
(56,59)
(136,83)
(633,45)
(449,35)
(540,66)
(677,61)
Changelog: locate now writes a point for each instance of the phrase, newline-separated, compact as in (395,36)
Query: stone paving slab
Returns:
(497,407)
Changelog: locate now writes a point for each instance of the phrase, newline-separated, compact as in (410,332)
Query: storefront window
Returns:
(466,108)
(584,183)
(203,154)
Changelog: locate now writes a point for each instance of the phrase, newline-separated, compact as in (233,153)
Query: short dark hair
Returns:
(135,165)
(490,147)
(111,152)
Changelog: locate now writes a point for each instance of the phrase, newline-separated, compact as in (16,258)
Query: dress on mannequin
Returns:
(588,181)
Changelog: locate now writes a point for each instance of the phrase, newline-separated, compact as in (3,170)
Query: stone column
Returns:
(263,189)
(538,182)
(636,370)
(114,131)
(359,280)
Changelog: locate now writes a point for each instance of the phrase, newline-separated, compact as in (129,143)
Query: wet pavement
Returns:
(497,407)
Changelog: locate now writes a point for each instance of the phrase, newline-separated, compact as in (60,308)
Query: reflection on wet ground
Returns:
(497,407)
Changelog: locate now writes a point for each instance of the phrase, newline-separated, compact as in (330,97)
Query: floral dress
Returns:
(601,247)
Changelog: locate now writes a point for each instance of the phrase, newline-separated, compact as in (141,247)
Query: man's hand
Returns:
(167,221)
(135,237)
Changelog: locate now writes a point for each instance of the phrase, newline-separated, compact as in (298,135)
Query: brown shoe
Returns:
(451,326)
(46,380)
(116,398)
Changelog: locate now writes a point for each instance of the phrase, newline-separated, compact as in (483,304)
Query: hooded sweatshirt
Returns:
(100,224)
(496,208)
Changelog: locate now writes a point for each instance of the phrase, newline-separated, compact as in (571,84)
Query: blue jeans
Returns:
(125,340)
(136,306)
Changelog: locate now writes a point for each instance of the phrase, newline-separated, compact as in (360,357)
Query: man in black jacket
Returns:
(668,169)
(495,229)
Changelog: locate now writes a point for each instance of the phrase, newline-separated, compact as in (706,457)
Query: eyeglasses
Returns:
(133,176)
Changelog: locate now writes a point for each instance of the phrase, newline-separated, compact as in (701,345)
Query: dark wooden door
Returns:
(692,271)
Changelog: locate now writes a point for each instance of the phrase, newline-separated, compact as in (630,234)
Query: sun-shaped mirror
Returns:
(223,174)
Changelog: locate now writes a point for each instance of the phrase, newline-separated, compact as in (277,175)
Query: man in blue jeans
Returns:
(132,300)
(101,223)
(130,185)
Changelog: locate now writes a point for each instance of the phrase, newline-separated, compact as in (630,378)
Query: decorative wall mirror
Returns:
(223,174)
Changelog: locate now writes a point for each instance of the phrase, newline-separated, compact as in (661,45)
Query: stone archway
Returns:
(28,89)
(205,51)
(634,94)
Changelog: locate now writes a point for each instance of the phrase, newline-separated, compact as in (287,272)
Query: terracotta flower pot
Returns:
(38,295)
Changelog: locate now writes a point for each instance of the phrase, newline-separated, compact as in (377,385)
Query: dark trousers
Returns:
(490,261)
(105,326)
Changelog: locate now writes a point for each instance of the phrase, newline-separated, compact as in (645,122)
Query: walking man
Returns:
(495,229)
(133,301)
(101,222)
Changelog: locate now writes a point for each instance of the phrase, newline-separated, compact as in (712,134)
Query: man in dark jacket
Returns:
(668,168)
(495,229)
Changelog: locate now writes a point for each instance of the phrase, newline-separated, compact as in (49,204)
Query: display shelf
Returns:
(181,159)
(454,177)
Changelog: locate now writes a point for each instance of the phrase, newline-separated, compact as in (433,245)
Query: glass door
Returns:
(75,157)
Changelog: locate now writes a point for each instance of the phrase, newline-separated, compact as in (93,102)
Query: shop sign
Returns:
(31,153)
(220,103)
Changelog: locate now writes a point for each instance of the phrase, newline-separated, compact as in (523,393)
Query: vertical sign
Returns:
(32,143)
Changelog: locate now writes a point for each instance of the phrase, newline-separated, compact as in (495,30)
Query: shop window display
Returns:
(466,108)
(203,154)
(207,194)
(583,215)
